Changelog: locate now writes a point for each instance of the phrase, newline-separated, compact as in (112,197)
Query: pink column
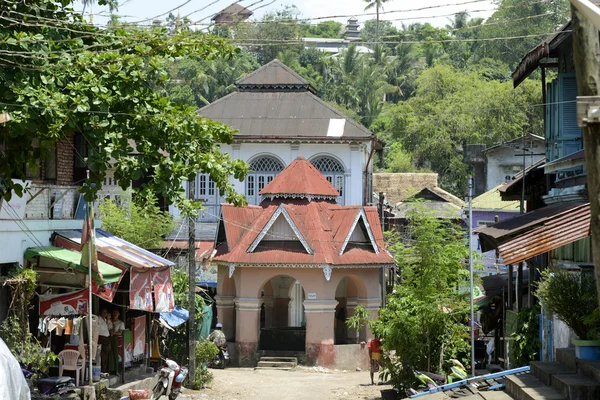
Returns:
(319,331)
(226,315)
(247,332)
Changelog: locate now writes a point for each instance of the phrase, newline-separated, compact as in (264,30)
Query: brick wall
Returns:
(65,160)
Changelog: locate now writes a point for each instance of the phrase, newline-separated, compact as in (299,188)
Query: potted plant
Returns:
(573,297)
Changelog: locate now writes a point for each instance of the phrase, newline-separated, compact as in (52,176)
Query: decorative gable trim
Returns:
(280,211)
(360,214)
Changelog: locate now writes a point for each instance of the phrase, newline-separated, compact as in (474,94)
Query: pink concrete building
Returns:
(292,269)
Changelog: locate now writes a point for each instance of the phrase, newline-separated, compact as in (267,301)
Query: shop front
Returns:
(131,287)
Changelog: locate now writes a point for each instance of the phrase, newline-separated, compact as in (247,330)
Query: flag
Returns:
(88,241)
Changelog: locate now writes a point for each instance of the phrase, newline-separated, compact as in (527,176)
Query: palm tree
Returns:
(377,4)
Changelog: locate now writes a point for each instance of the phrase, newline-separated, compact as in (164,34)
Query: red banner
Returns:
(140,290)
(139,336)
(163,291)
(73,303)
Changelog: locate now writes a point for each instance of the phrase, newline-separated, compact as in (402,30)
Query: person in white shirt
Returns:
(118,327)
(104,328)
(14,386)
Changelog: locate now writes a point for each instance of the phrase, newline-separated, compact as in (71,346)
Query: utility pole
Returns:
(192,283)
(586,58)
(471,275)
(382,271)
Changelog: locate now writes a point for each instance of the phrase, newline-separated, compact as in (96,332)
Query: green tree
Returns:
(61,76)
(324,29)
(139,222)
(425,320)
(377,5)
(451,107)
(520,18)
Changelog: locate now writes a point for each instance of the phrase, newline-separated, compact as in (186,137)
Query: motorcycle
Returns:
(48,385)
(429,380)
(222,358)
(171,377)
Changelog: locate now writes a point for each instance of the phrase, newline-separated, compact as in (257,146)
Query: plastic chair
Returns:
(68,360)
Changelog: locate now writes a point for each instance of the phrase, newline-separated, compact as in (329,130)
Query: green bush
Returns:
(205,351)
(572,296)
(527,336)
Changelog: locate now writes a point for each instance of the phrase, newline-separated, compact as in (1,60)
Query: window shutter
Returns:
(568,107)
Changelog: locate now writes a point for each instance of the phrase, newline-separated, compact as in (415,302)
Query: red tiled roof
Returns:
(299,179)
(323,224)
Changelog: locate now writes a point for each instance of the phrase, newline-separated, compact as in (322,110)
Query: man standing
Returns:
(118,327)
(375,356)
(104,328)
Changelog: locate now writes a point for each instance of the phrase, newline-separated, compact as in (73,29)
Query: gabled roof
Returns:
(516,141)
(234,9)
(280,212)
(300,179)
(313,220)
(273,74)
(360,217)
(275,104)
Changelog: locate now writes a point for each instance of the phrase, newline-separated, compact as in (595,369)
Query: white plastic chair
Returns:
(69,361)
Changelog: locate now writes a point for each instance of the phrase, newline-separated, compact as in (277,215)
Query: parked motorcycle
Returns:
(429,380)
(222,358)
(171,377)
(48,385)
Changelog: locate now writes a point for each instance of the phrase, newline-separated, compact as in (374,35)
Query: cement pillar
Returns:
(247,334)
(226,315)
(351,334)
(268,302)
(319,331)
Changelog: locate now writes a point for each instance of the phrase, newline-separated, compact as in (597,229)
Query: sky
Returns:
(201,11)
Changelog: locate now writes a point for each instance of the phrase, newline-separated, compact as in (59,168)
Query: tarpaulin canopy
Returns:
(177,317)
(64,259)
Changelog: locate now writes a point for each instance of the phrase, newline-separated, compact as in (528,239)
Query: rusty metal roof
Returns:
(563,228)
(120,250)
(531,61)
(300,179)
(315,222)
(234,8)
(491,237)
(283,115)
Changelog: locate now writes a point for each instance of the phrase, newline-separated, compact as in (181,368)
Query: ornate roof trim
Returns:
(360,214)
(280,211)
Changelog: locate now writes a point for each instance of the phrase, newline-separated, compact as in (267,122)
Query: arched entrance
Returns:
(283,321)
(350,292)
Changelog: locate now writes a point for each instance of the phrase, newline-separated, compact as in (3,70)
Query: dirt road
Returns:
(302,383)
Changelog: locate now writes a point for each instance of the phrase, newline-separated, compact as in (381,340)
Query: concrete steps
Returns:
(568,378)
(280,363)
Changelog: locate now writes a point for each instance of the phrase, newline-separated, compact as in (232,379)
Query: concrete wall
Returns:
(502,162)
(351,356)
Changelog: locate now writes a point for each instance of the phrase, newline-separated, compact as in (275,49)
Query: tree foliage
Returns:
(140,221)
(425,320)
(61,76)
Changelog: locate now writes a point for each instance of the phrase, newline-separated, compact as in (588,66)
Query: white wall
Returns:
(503,161)
(353,157)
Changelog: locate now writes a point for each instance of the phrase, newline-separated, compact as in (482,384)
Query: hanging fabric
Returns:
(163,291)
(140,290)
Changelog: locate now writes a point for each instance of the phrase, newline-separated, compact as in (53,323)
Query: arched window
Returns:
(333,171)
(262,171)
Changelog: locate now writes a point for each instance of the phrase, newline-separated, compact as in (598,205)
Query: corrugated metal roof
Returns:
(491,200)
(496,235)
(274,73)
(299,179)
(314,220)
(531,61)
(283,115)
(518,176)
(120,250)
(558,230)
